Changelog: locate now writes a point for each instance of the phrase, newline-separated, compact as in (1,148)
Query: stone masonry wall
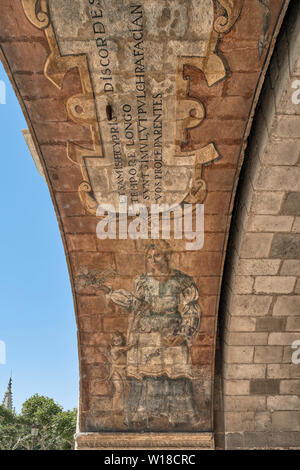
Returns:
(260,307)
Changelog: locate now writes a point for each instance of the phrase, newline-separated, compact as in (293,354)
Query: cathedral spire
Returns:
(8,399)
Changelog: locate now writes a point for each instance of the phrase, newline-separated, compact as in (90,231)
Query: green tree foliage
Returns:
(56,427)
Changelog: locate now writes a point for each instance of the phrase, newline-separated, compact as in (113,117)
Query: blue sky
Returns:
(37,320)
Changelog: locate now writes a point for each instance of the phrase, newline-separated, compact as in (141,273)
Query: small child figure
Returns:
(117,359)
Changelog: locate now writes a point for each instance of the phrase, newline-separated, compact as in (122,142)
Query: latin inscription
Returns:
(135,54)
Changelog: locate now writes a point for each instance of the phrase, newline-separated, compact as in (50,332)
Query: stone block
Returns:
(240,421)
(270,324)
(285,245)
(283,339)
(245,371)
(261,267)
(243,403)
(293,323)
(234,441)
(268,354)
(287,127)
(248,339)
(278,178)
(283,371)
(281,152)
(81,242)
(286,420)
(47,110)
(274,284)
(241,355)
(98,387)
(270,223)
(264,386)
(55,156)
(288,353)
(296,225)
(267,202)
(237,387)
(253,305)
(26,56)
(284,440)
(290,268)
(291,204)
(242,324)
(263,421)
(290,387)
(256,245)
(287,305)
(256,440)
(243,284)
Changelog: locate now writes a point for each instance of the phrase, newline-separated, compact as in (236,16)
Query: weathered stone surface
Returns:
(242,323)
(293,323)
(258,267)
(246,403)
(287,127)
(279,178)
(240,422)
(270,324)
(280,152)
(284,440)
(247,339)
(237,387)
(245,371)
(256,306)
(268,354)
(274,284)
(297,288)
(234,440)
(287,305)
(243,284)
(256,245)
(240,354)
(283,371)
(286,420)
(263,421)
(291,205)
(267,202)
(296,225)
(270,223)
(285,246)
(283,338)
(290,268)
(256,440)
(264,386)
(291,387)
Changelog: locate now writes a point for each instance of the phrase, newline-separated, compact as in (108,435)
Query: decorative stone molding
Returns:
(123,441)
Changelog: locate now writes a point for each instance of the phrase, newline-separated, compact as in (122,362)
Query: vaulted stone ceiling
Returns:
(150,101)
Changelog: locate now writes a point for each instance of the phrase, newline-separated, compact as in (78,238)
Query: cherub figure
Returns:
(117,358)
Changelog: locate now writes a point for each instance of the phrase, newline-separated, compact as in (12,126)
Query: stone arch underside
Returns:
(259,314)
(192,93)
